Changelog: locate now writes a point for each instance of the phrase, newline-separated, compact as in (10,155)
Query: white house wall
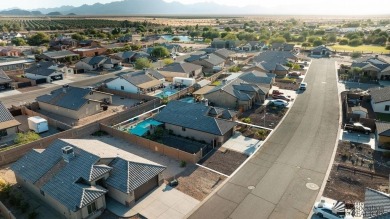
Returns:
(117,83)
(380,107)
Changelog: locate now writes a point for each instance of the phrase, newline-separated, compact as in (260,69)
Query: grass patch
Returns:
(383,117)
(216,83)
(362,48)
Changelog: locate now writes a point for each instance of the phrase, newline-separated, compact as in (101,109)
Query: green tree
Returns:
(228,29)
(318,42)
(355,42)
(38,39)
(230,36)
(277,40)
(142,63)
(18,41)
(78,37)
(207,41)
(168,61)
(344,41)
(331,38)
(136,47)
(160,52)
(176,39)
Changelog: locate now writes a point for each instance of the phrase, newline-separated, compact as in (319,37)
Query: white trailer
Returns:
(38,124)
(184,81)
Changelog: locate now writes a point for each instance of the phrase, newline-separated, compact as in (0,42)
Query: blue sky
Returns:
(345,7)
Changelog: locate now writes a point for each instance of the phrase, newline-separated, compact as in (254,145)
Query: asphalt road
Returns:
(272,184)
(30,96)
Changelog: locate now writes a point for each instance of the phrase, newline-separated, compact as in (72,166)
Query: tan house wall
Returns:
(280,73)
(222,99)
(383,139)
(170,75)
(123,198)
(88,109)
(198,135)
(100,203)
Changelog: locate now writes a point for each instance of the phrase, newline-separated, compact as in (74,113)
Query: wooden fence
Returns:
(153,146)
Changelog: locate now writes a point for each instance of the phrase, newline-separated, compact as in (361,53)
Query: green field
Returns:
(362,48)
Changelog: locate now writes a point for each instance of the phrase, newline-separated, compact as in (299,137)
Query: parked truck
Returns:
(38,124)
(357,127)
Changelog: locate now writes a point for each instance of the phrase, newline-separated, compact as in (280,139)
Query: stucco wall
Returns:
(83,65)
(117,83)
(119,196)
(12,130)
(198,135)
(383,139)
(222,99)
(170,75)
(100,203)
(88,109)
(380,107)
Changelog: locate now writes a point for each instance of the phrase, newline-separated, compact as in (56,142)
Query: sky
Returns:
(343,7)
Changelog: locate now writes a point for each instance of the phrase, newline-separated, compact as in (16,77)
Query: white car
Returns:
(278,102)
(303,86)
(331,211)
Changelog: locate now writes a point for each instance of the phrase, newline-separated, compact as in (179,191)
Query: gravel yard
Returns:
(265,116)
(225,162)
(198,182)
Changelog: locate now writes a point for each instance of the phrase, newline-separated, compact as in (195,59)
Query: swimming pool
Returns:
(165,93)
(188,100)
(143,127)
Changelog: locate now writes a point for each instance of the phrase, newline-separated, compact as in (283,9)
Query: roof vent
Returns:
(67,153)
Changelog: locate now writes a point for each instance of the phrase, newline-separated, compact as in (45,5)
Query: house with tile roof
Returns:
(210,62)
(5,81)
(49,71)
(238,94)
(74,102)
(58,56)
(96,63)
(8,124)
(282,47)
(380,99)
(75,176)
(320,51)
(181,69)
(376,204)
(143,81)
(383,133)
(199,121)
(129,56)
(224,53)
(373,67)
(274,62)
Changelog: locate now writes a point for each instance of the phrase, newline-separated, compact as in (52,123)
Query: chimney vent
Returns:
(65,88)
(67,153)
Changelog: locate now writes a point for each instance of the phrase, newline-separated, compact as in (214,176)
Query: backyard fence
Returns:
(7,214)
(181,93)
(153,146)
(52,122)
(126,94)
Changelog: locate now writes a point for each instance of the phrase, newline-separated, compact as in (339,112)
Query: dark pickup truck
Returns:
(357,127)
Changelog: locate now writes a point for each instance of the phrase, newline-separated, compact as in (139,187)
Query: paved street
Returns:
(18,99)
(283,178)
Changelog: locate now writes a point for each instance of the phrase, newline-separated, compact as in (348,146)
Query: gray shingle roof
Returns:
(269,60)
(378,63)
(95,60)
(143,76)
(5,115)
(4,77)
(375,198)
(126,175)
(42,68)
(383,128)
(224,53)
(210,58)
(258,77)
(73,99)
(193,116)
(59,54)
(380,94)
(125,55)
(181,67)
(320,48)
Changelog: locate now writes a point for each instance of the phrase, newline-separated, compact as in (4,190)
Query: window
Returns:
(3,133)
(91,208)
(183,129)
(122,88)
(387,107)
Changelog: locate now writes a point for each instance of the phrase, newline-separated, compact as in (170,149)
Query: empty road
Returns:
(273,183)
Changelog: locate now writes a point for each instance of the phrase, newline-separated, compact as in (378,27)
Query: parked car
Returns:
(278,103)
(357,127)
(119,67)
(277,92)
(281,97)
(295,74)
(303,86)
(326,210)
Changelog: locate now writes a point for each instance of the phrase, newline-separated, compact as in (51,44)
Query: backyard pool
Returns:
(166,93)
(141,128)
(188,100)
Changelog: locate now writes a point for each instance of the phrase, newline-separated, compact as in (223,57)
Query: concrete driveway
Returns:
(164,202)
(358,137)
(242,144)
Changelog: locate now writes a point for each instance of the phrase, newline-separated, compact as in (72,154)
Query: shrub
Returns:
(296,67)
(234,69)
(355,42)
(246,120)
(356,55)
(343,42)
(183,163)
(24,138)
(388,47)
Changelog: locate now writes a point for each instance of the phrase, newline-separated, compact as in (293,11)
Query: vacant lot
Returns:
(356,167)
(266,116)
(362,48)
(225,162)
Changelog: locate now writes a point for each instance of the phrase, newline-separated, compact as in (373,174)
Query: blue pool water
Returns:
(141,128)
(188,100)
(165,93)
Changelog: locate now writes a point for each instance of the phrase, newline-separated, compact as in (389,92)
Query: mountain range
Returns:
(142,7)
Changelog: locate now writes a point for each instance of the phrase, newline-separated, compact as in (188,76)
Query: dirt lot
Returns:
(250,132)
(372,171)
(225,162)
(198,182)
(273,115)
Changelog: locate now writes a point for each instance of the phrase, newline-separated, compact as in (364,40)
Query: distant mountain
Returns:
(20,12)
(59,9)
(71,14)
(56,13)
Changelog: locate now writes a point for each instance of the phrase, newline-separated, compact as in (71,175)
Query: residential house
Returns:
(253,46)
(380,99)
(259,78)
(133,38)
(237,94)
(181,69)
(224,53)
(282,47)
(15,65)
(89,43)
(142,81)
(194,120)
(383,133)
(320,51)
(5,81)
(172,48)
(11,35)
(274,61)
(96,63)
(129,56)
(210,62)
(155,39)
(228,44)
(377,203)
(62,43)
(10,51)
(47,71)
(59,56)
(8,124)
(373,67)
(76,177)
(74,102)
(90,51)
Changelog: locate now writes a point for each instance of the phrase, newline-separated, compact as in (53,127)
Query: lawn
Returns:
(362,48)
(383,117)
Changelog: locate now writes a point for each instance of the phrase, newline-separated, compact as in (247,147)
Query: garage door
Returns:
(145,188)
